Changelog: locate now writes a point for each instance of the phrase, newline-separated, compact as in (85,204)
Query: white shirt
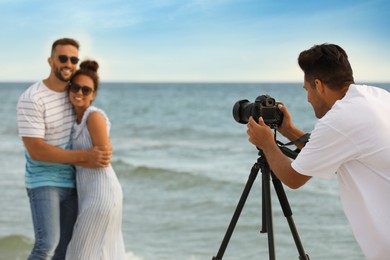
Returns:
(353,139)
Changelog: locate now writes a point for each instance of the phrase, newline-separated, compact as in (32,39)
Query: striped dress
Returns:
(97,233)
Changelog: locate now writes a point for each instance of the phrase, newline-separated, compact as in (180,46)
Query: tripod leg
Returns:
(268,213)
(237,212)
(263,213)
(288,214)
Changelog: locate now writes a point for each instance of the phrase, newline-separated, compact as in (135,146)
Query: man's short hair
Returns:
(64,41)
(328,63)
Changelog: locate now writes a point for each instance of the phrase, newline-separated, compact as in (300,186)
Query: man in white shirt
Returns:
(350,140)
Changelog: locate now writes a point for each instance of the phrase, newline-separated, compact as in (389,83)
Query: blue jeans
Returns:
(54,212)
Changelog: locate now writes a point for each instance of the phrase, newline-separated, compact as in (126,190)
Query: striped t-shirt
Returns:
(46,114)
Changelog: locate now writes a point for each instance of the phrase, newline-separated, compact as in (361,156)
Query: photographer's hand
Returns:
(287,123)
(287,128)
(260,134)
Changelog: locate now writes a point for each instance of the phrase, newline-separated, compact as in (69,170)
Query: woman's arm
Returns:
(97,127)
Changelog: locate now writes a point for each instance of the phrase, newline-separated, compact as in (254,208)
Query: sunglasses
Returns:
(74,87)
(63,59)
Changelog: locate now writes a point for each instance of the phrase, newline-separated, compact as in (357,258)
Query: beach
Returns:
(183,162)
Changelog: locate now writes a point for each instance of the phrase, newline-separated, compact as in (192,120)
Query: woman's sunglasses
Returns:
(63,59)
(74,87)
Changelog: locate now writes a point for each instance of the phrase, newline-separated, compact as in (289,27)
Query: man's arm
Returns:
(262,136)
(91,158)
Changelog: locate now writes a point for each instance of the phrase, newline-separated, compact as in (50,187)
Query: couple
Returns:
(59,129)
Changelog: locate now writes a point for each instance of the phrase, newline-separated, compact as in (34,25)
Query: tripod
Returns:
(267,224)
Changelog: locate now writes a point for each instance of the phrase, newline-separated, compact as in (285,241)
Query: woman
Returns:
(97,233)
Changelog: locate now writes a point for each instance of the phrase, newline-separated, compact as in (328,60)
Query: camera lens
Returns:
(242,111)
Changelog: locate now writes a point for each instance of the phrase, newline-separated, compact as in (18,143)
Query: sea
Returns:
(183,162)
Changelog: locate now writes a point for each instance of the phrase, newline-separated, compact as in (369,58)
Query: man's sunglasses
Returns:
(74,87)
(63,59)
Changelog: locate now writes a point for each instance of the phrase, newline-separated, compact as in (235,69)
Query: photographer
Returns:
(351,139)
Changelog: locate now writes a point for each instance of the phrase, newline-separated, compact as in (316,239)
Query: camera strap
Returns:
(303,139)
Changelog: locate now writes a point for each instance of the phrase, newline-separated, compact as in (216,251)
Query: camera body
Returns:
(264,106)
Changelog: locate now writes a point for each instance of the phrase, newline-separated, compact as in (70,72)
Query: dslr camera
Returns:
(264,106)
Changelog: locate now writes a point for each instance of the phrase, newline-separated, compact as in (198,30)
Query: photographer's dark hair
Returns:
(65,41)
(328,63)
(88,68)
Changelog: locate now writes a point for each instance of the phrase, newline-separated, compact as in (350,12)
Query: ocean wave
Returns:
(125,169)
(176,179)
(132,256)
(170,137)
(9,131)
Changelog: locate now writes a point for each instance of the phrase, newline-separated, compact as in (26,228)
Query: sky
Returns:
(194,40)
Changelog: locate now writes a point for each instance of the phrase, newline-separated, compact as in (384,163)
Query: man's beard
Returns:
(58,74)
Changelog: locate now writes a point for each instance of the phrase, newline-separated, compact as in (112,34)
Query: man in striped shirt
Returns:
(45,119)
